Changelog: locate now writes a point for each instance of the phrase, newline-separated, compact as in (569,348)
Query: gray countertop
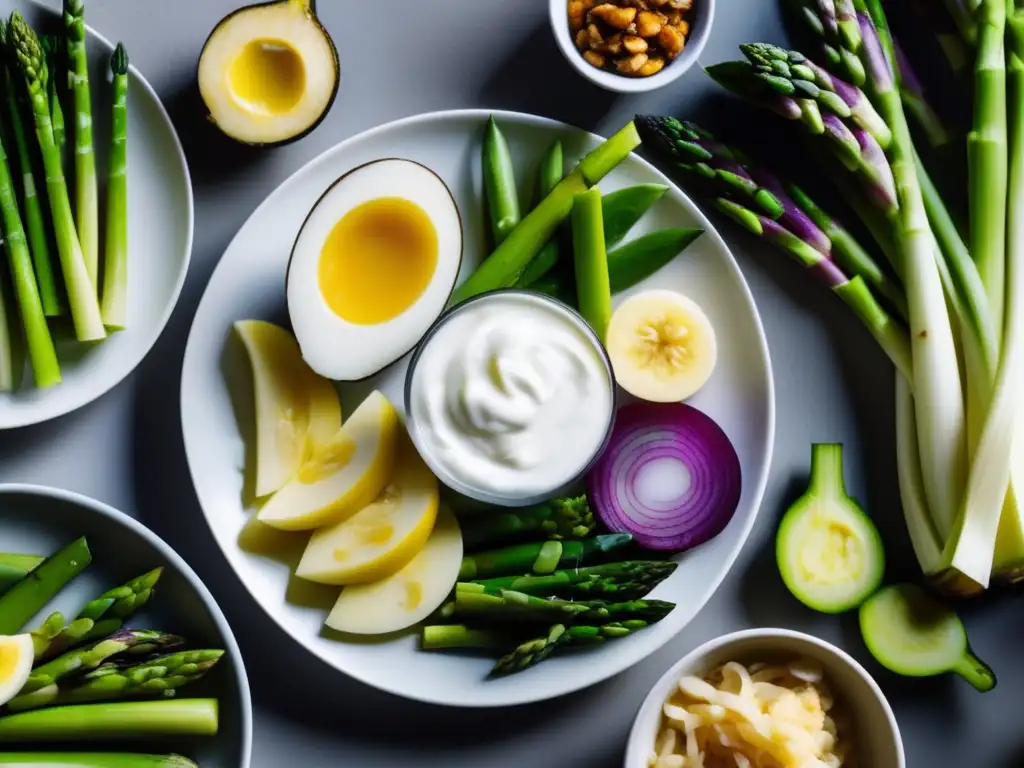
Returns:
(399,58)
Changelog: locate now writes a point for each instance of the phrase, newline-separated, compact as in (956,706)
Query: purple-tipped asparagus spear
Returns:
(792,223)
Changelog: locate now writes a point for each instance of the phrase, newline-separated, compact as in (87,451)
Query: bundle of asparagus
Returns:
(52,245)
(535,595)
(948,311)
(88,672)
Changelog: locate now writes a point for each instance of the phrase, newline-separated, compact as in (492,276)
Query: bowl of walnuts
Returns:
(631,46)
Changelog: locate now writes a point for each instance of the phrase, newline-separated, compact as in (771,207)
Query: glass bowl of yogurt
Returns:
(510,397)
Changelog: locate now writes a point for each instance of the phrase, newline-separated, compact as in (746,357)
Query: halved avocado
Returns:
(269,72)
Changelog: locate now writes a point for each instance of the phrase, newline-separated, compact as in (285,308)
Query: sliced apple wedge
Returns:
(380,538)
(296,410)
(343,476)
(411,594)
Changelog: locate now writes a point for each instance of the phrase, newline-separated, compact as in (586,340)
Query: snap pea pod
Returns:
(499,183)
(625,207)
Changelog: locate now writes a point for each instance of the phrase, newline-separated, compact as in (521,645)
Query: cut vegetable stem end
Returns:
(976,672)
(827,469)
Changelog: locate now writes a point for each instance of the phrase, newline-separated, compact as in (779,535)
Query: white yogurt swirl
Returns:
(511,396)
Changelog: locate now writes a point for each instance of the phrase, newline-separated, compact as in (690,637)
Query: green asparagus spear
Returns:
(538,557)
(10,354)
(122,720)
(532,652)
(437,637)
(552,170)
(13,568)
(35,221)
(26,598)
(86,196)
(162,676)
(114,306)
(52,48)
(626,580)
(568,518)
(101,617)
(81,288)
(134,642)
(42,354)
(511,606)
(93,760)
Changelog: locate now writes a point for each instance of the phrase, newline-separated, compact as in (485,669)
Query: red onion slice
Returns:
(669,476)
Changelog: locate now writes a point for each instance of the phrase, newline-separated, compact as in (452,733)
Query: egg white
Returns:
(344,351)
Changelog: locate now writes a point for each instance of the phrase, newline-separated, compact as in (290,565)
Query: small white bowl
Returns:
(877,741)
(700,30)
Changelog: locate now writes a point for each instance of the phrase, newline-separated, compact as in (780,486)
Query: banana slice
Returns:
(662,346)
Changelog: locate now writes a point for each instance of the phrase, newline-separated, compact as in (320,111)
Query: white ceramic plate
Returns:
(249,283)
(159,239)
(39,520)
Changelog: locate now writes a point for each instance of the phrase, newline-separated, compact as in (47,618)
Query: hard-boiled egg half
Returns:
(16,655)
(372,268)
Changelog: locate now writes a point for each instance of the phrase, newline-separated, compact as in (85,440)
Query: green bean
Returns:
(551,171)
(499,183)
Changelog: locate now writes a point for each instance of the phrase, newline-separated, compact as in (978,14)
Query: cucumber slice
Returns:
(828,551)
(912,634)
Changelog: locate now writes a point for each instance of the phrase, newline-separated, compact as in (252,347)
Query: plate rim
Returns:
(127,521)
(81,400)
(623,661)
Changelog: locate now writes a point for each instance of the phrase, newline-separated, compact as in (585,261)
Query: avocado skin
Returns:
(337,73)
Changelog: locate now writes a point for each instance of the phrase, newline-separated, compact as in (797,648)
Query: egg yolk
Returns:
(8,661)
(378,260)
(268,77)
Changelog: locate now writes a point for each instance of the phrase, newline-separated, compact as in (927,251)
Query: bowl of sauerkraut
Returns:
(766,698)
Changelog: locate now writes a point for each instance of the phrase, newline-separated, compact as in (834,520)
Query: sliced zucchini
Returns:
(912,634)
(828,551)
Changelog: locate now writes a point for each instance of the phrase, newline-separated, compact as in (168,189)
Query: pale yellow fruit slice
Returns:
(16,655)
(296,409)
(662,346)
(342,477)
(411,594)
(380,538)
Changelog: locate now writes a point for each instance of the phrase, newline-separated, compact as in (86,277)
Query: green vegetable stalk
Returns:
(86,195)
(532,652)
(122,720)
(510,606)
(133,642)
(568,518)
(52,46)
(26,598)
(551,171)
(114,305)
(14,568)
(504,266)
(10,366)
(627,580)
(42,353)
(99,618)
(162,676)
(538,557)
(85,309)
(93,760)
(35,222)
(590,259)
